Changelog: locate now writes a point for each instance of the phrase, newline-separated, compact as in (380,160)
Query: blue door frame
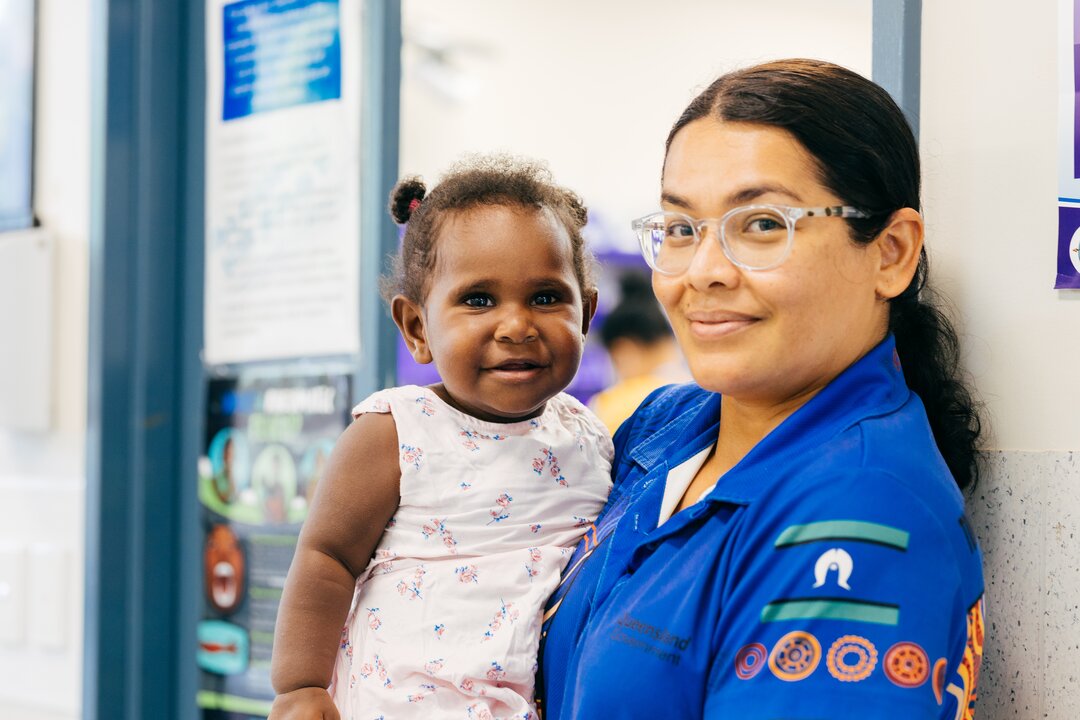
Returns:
(146,378)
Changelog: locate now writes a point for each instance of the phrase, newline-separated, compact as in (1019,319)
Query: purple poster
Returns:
(1068,241)
(1068,263)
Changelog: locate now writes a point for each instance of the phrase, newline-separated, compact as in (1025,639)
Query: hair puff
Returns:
(406,198)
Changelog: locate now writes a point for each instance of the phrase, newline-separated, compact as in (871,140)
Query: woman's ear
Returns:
(409,318)
(588,309)
(900,246)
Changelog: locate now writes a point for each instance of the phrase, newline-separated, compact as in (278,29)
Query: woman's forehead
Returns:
(711,161)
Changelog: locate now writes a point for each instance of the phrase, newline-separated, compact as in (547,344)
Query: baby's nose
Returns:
(515,326)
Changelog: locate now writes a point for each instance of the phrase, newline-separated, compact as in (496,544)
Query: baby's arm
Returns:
(353,503)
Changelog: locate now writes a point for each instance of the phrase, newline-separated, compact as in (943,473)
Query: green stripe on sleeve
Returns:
(844,530)
(830,610)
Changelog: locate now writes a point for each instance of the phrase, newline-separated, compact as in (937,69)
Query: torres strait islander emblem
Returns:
(837,560)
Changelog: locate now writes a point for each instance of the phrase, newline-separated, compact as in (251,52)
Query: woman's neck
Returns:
(744,424)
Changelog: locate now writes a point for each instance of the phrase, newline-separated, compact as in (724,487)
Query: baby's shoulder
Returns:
(396,400)
(570,413)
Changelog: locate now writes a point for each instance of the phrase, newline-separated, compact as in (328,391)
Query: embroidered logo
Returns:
(938,679)
(907,665)
(750,660)
(830,560)
(851,658)
(968,672)
(795,656)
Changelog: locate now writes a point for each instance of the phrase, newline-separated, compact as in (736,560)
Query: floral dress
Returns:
(446,618)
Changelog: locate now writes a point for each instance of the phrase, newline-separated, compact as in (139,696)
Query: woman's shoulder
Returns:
(661,407)
(915,509)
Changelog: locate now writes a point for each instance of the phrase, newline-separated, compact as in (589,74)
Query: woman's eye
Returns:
(680,231)
(764,224)
(479,301)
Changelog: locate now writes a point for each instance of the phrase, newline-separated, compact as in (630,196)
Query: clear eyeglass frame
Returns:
(651,231)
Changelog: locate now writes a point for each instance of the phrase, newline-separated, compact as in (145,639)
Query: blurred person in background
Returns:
(642,348)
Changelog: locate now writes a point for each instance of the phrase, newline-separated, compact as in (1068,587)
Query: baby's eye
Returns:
(479,301)
(546,299)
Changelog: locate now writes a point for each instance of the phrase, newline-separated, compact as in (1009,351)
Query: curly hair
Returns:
(475,181)
(867,155)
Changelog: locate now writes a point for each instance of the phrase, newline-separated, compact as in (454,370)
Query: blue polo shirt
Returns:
(830,574)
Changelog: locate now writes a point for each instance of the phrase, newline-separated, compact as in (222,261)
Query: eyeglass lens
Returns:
(755,238)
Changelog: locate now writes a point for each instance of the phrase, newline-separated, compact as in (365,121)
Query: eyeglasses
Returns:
(754,237)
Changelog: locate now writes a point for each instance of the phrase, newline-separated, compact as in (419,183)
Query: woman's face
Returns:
(774,336)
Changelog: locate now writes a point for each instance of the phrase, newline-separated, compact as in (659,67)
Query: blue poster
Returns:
(280,54)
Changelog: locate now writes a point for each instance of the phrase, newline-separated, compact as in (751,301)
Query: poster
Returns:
(282,179)
(16,113)
(266,446)
(1068,240)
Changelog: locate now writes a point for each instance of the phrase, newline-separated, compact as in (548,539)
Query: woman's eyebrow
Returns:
(753,193)
(669,198)
(739,197)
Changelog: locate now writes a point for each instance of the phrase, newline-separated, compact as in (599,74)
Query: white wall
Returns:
(592,87)
(42,475)
(989,143)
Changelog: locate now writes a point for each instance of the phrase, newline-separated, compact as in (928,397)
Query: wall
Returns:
(989,141)
(42,475)
(591,87)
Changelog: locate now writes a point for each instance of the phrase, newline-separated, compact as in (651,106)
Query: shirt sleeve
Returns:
(851,598)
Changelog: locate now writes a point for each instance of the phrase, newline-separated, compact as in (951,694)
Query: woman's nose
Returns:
(515,326)
(710,265)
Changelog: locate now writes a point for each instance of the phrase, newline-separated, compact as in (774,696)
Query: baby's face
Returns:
(504,318)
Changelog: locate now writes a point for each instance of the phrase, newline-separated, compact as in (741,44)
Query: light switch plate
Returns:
(12,595)
(48,588)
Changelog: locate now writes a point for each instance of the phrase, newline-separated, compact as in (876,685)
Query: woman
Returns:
(786,538)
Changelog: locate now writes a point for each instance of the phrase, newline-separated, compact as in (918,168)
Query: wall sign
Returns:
(267,444)
(282,179)
(1068,240)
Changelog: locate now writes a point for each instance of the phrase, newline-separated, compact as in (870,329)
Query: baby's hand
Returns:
(308,703)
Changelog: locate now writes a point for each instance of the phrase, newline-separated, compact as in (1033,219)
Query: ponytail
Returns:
(929,352)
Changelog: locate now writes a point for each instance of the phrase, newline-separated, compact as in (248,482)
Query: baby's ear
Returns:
(588,309)
(409,318)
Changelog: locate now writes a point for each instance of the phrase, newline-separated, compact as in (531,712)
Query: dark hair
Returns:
(475,181)
(867,155)
(637,316)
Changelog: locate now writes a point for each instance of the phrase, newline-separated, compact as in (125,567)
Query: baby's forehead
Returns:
(507,233)
(503,255)
(487,214)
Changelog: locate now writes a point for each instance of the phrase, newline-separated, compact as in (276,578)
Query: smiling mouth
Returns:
(710,328)
(518,370)
(517,365)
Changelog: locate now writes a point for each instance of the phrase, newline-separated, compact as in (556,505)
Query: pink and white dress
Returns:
(445,620)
